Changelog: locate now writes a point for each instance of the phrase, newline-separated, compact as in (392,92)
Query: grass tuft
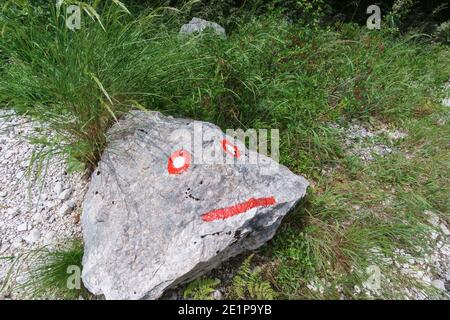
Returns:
(56,273)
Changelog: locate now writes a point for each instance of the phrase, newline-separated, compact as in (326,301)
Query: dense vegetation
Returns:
(297,74)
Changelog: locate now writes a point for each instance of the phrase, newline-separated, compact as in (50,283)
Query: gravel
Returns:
(366,142)
(34,212)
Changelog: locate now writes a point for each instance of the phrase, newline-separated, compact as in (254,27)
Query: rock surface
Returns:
(152,220)
(197,25)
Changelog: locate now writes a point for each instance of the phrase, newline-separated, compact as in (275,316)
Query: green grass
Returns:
(271,74)
(79,83)
(328,238)
(54,273)
(266,74)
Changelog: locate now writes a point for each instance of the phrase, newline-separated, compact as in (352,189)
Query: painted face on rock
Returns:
(180,162)
(192,173)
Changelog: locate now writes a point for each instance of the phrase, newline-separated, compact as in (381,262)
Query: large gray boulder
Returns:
(197,25)
(172,199)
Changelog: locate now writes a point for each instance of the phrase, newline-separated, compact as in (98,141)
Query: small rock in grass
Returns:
(197,25)
(217,295)
(434,235)
(438,284)
(446,102)
(396,135)
(433,218)
(444,229)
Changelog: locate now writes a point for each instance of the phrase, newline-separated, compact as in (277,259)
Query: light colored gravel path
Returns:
(33,214)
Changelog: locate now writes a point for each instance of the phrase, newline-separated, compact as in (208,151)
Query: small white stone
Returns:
(217,295)
(12,212)
(17,243)
(396,135)
(434,235)
(446,102)
(433,218)
(49,237)
(50,204)
(22,227)
(64,195)
(34,236)
(438,284)
(58,188)
(20,175)
(426,279)
(38,217)
(66,208)
(444,229)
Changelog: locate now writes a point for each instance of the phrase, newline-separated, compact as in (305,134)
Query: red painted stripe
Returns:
(228,212)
